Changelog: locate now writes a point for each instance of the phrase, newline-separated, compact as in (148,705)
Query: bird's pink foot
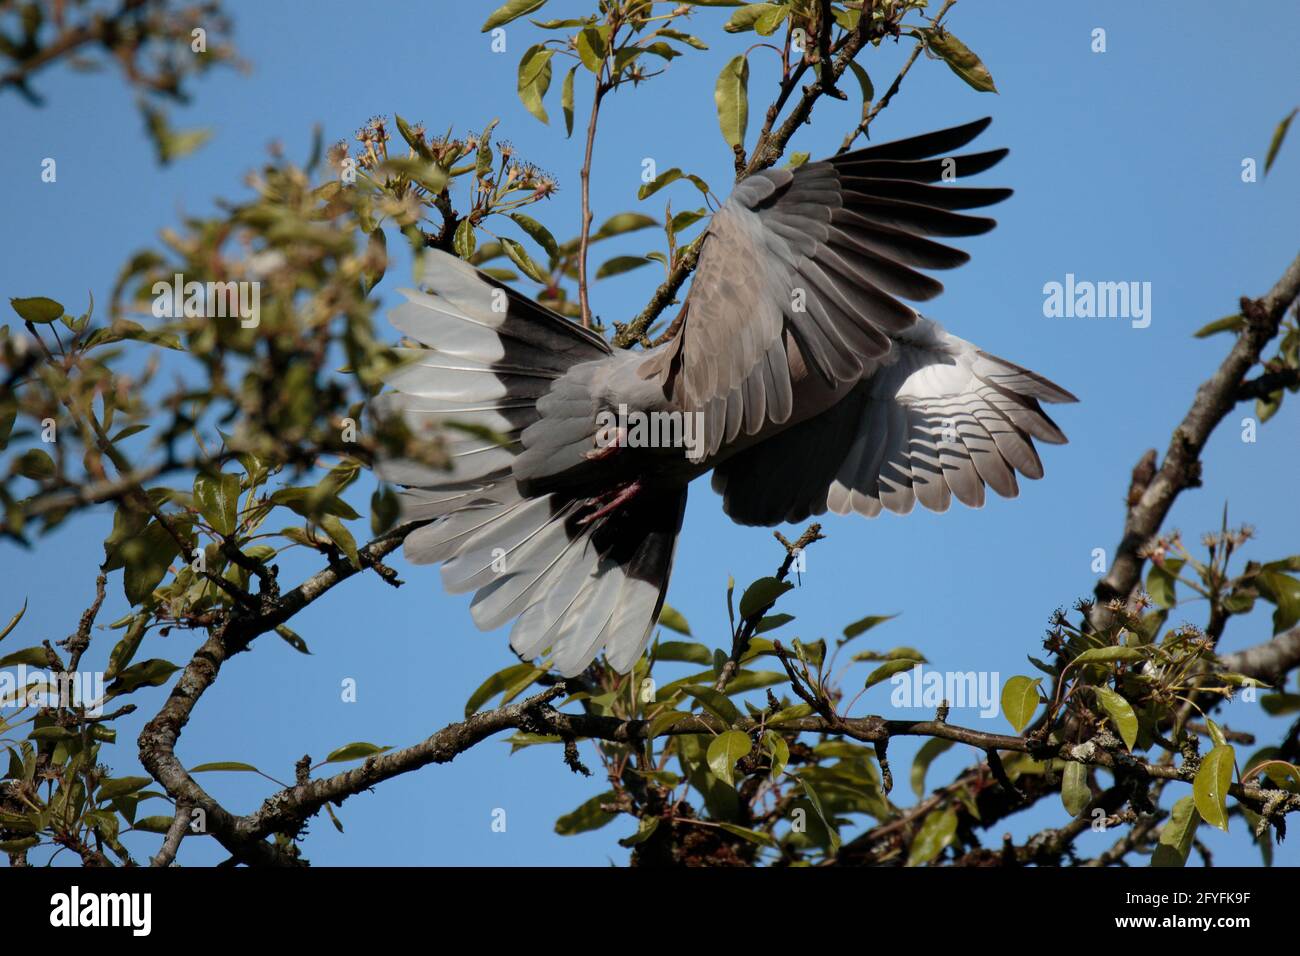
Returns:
(613,502)
(608,441)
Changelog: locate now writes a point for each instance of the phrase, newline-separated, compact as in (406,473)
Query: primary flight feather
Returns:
(813,385)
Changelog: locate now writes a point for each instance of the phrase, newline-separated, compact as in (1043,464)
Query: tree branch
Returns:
(1181,468)
(158,739)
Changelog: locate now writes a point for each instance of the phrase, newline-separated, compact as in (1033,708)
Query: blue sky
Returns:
(1126,166)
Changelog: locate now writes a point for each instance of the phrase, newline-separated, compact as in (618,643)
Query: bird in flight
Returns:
(799,377)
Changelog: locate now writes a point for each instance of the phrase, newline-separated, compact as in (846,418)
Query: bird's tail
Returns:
(494,363)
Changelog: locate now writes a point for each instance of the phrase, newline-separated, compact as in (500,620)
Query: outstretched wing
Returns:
(942,420)
(818,256)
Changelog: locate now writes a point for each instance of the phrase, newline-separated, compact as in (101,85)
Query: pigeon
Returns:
(795,373)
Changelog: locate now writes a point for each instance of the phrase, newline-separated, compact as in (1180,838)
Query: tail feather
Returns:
(523,380)
(553,553)
(495,549)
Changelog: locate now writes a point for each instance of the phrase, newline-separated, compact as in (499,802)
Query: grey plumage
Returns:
(817,387)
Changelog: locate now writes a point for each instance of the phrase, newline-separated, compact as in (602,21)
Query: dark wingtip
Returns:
(924,145)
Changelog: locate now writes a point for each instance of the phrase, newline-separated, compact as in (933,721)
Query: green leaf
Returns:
(760,595)
(413,139)
(566,101)
(866,624)
(36,464)
(672,619)
(8,415)
(645,829)
(864,81)
(731,96)
(625,222)
(291,637)
(683,651)
(355,751)
(747,17)
(233,765)
(1279,134)
(888,670)
(1162,582)
(538,233)
(816,802)
(1177,834)
(29,656)
(124,651)
(755,680)
(753,836)
(151,673)
(589,816)
(767,23)
(960,59)
(432,176)
(1267,406)
(724,751)
(312,502)
(1110,655)
(663,721)
(1283,591)
(779,750)
(1278,705)
(147,558)
(341,536)
(50,734)
(535,79)
(155,824)
(813,653)
(496,684)
(924,757)
(1075,792)
(37,309)
(217,498)
(385,508)
(1229,323)
(685,219)
(521,258)
(1020,700)
(1216,733)
(463,240)
(1210,788)
(511,11)
(593,47)
(937,831)
(894,654)
(772,622)
(120,786)
(680,37)
(715,703)
(483,158)
(665,778)
(13,621)
(170,143)
(1121,714)
(621,264)
(663,179)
